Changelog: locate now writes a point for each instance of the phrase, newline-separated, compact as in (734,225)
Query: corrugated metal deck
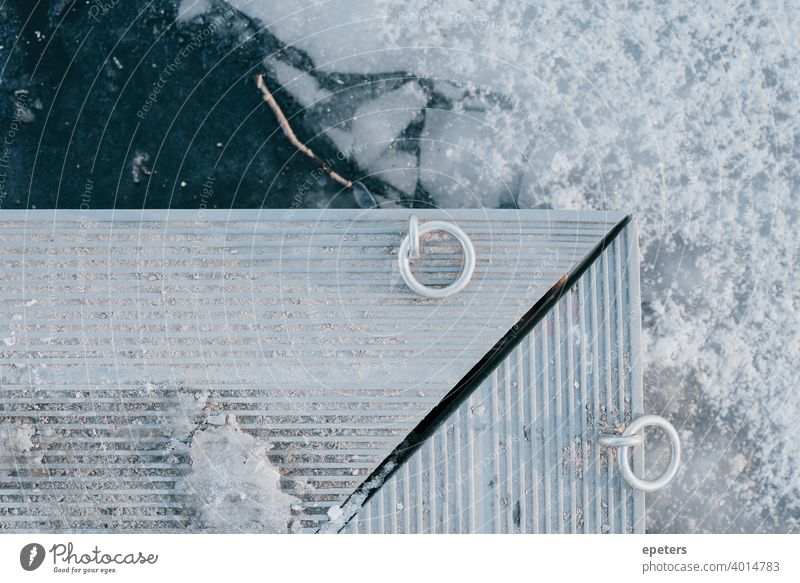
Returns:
(123,332)
(521,454)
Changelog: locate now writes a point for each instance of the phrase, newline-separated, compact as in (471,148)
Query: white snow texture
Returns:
(233,485)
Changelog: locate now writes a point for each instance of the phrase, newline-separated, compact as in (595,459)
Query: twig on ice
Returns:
(287,129)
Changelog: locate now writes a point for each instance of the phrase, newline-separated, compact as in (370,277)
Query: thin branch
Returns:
(287,130)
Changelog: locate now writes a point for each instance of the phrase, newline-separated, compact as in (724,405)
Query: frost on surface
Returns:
(191,8)
(232,486)
(453,166)
(17,449)
(340,515)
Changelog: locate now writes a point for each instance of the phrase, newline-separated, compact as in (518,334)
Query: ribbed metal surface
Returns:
(521,454)
(122,332)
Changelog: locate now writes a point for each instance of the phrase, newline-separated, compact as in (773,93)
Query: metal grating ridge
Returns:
(520,454)
(124,332)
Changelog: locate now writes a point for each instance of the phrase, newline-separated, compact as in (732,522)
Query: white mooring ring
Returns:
(631,438)
(409,249)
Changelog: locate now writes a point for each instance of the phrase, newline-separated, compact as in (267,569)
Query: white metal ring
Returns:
(632,430)
(620,440)
(413,237)
(404,258)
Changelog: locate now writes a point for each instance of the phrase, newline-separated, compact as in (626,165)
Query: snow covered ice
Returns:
(232,483)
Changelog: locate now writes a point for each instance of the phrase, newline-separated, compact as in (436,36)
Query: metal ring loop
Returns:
(413,237)
(620,440)
(404,258)
(624,461)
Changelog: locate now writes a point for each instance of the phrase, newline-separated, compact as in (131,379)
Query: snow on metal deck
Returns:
(521,454)
(124,335)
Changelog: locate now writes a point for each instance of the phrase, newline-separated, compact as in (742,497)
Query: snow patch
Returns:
(460,161)
(191,8)
(16,447)
(232,484)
